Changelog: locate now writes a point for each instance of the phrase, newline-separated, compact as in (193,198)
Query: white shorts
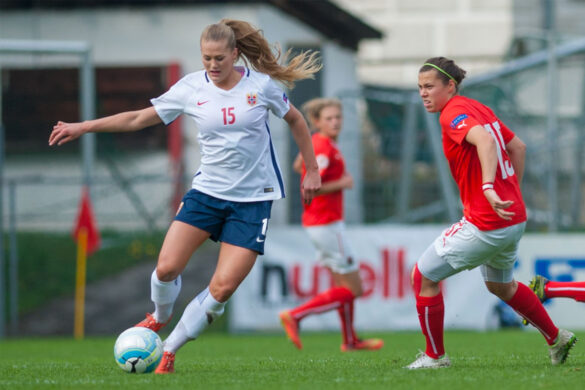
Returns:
(463,246)
(333,249)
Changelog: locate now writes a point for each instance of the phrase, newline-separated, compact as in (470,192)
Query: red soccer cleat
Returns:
(363,345)
(167,364)
(150,323)
(291,327)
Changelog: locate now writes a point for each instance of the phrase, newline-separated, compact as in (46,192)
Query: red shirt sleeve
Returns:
(456,120)
(322,154)
(506,133)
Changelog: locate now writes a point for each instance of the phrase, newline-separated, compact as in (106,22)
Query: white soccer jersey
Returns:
(238,160)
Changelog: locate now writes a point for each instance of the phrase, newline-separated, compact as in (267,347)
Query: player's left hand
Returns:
(499,205)
(311,184)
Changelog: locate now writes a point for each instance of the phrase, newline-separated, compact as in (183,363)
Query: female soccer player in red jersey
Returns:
(323,221)
(487,162)
(239,177)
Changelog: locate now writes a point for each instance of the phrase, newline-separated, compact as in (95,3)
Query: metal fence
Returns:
(540,97)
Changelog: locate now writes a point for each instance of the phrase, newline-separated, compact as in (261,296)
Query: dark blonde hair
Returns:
(449,69)
(254,49)
(312,108)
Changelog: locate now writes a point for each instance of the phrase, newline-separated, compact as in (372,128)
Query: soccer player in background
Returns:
(487,162)
(239,177)
(323,222)
(546,289)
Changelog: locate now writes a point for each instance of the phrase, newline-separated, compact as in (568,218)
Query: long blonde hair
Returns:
(254,49)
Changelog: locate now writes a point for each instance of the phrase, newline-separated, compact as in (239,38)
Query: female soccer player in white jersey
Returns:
(487,162)
(239,177)
(323,222)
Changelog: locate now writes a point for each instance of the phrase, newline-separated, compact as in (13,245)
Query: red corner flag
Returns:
(85,219)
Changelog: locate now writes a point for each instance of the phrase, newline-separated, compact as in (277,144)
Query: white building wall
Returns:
(475,33)
(529,17)
(161,35)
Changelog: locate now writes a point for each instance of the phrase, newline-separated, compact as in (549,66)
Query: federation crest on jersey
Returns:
(284,97)
(252,98)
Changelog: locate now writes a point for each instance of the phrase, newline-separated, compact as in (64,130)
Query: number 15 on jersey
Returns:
(229,117)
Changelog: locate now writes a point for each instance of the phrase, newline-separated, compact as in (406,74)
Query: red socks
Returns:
(431,313)
(340,298)
(527,304)
(575,290)
(346,316)
(331,299)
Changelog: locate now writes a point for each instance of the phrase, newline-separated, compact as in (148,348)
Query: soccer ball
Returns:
(138,350)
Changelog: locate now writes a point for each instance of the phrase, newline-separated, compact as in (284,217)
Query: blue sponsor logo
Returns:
(458,119)
(560,269)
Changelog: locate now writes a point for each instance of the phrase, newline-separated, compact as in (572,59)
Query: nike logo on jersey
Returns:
(202,103)
(259,240)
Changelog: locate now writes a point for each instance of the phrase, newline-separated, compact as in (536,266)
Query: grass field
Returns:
(493,360)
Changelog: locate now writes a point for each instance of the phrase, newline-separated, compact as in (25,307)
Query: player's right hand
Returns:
(64,132)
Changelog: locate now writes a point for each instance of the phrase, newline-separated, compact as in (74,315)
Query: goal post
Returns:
(87,98)
(86,81)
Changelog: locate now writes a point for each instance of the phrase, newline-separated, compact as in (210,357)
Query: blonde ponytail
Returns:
(254,49)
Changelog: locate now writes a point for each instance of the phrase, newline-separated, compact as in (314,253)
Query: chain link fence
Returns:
(403,175)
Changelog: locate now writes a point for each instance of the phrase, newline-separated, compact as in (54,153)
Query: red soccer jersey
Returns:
(325,208)
(457,118)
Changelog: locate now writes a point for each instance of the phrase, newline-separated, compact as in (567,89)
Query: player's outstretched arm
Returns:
(300,131)
(126,121)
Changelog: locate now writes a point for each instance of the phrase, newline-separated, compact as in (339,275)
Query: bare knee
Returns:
(422,285)
(351,281)
(357,291)
(221,291)
(166,270)
(429,288)
(165,274)
(504,291)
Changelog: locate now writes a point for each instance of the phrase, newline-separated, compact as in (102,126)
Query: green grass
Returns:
(493,360)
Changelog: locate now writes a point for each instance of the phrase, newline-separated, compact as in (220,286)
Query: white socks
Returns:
(199,313)
(164,295)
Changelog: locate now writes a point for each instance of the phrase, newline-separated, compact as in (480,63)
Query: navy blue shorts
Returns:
(242,224)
